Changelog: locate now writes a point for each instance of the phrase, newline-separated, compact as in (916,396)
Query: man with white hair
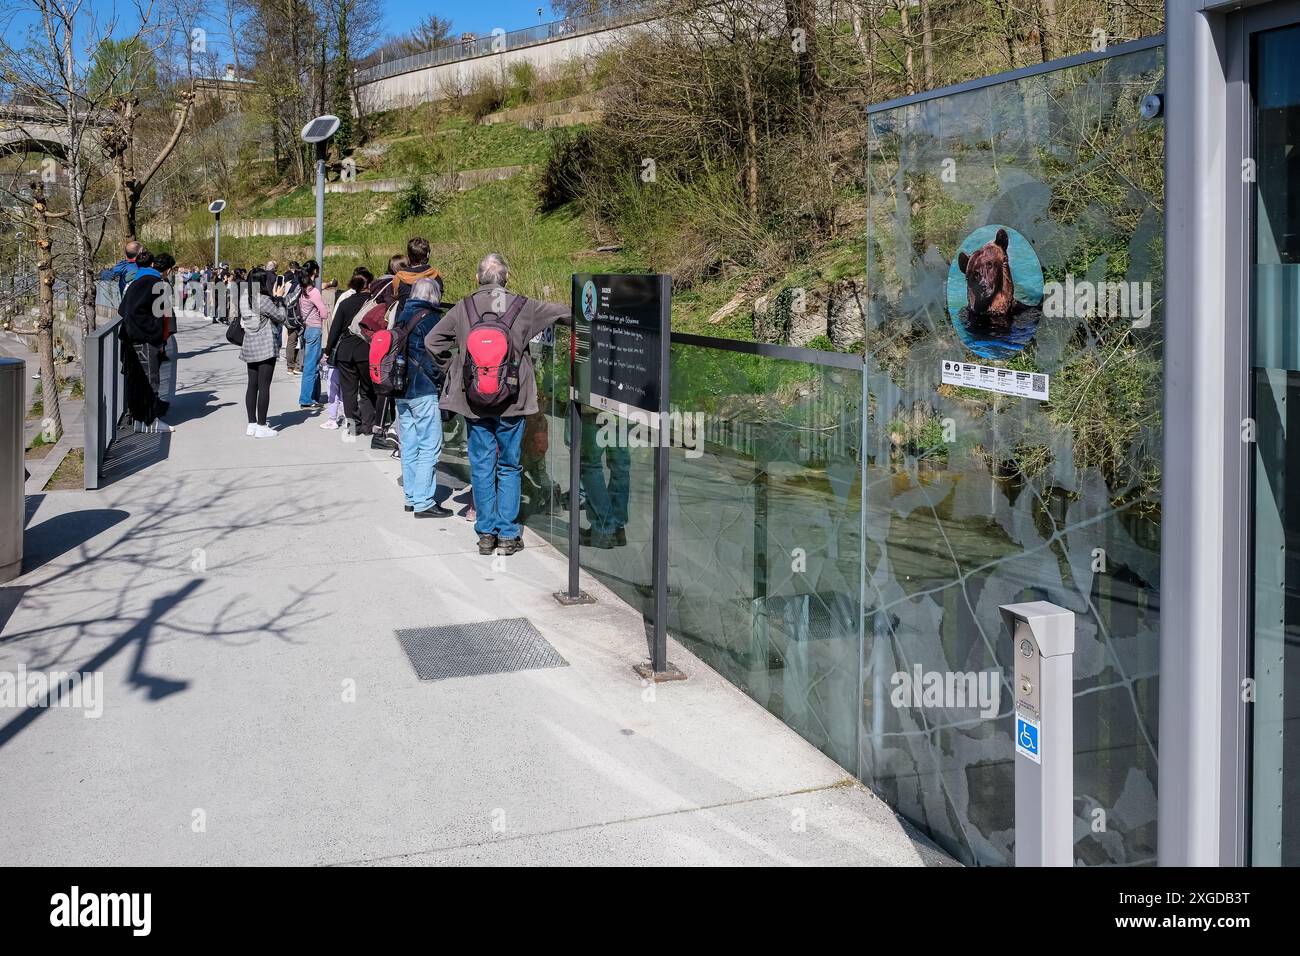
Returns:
(418,417)
(125,270)
(482,344)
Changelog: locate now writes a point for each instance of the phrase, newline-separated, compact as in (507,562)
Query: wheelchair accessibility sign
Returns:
(1027,737)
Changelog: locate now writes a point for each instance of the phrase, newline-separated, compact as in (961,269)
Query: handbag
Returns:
(235,332)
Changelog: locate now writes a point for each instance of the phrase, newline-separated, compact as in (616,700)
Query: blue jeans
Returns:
(494,446)
(310,391)
(606,500)
(420,427)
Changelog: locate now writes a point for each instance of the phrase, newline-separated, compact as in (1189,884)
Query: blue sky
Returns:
(477,17)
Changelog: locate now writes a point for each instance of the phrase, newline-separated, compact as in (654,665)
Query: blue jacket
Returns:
(124,272)
(423,377)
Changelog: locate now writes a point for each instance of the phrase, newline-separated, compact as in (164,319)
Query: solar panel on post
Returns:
(320,129)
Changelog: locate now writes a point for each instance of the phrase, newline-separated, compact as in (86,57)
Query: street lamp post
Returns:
(215,208)
(318,131)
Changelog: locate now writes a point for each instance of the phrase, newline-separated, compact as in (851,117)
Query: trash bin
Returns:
(13,478)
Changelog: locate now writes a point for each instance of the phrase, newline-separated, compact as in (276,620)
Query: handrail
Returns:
(1024,72)
(105,387)
(788,353)
(455,50)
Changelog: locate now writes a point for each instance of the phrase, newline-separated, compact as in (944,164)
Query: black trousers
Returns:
(358,395)
(140,364)
(292,347)
(257,397)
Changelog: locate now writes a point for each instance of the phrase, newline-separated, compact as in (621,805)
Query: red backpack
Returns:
(492,360)
(387,363)
(375,316)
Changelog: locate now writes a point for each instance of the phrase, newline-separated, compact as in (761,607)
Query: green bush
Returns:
(487,95)
(417,198)
(521,81)
(560,179)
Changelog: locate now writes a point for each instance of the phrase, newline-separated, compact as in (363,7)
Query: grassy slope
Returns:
(544,250)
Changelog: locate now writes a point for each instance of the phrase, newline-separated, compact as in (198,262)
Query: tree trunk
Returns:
(927,45)
(751,142)
(909,61)
(1008,30)
(802,15)
(52,425)
(1046,11)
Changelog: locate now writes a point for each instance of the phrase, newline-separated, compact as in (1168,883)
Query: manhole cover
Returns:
(484,647)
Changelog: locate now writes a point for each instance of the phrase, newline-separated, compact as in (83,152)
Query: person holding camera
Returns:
(261,348)
(293,284)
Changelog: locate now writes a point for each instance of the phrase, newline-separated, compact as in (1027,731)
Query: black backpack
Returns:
(293,312)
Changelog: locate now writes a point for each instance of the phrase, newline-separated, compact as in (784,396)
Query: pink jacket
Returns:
(312,306)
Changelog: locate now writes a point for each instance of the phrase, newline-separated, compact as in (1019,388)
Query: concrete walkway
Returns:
(240,600)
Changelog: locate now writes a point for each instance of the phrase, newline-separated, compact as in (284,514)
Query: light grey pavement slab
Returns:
(240,599)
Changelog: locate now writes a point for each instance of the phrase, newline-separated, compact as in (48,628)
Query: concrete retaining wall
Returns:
(465,179)
(554,113)
(247,228)
(237,228)
(435,82)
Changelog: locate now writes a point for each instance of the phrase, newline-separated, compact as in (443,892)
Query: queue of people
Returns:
(394,362)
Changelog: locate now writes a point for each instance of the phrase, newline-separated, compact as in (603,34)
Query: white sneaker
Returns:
(161,426)
(252,429)
(265,432)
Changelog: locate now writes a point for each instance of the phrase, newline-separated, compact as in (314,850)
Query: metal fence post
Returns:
(13,406)
(1043,690)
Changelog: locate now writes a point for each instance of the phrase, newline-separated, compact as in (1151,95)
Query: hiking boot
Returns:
(595,539)
(508,546)
(487,543)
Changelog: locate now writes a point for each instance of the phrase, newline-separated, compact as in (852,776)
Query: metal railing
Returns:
(500,42)
(13,405)
(105,385)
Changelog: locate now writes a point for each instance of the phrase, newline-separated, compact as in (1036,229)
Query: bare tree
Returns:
(38,219)
(48,73)
(118,142)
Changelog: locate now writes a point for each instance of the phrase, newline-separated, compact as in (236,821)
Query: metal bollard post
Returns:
(13,406)
(1043,688)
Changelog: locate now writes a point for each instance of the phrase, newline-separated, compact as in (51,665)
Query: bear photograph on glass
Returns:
(995,292)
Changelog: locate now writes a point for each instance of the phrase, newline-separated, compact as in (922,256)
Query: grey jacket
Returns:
(260,342)
(446,343)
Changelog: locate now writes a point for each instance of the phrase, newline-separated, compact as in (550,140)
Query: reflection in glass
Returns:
(606,470)
(764,530)
(977,499)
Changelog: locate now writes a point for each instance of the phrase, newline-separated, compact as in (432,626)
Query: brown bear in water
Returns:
(990,290)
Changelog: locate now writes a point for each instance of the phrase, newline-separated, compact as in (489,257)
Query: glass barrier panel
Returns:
(1013,444)
(764,565)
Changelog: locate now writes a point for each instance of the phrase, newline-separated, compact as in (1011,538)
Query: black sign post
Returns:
(619,356)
